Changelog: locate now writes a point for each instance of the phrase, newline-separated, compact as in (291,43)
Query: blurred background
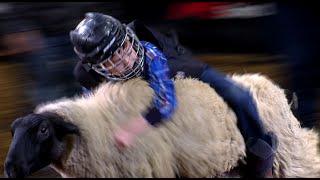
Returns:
(276,39)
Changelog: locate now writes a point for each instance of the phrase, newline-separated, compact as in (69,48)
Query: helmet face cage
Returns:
(121,52)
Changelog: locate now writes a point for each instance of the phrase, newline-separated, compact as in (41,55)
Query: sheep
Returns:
(201,140)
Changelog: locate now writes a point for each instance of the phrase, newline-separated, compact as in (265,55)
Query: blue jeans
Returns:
(239,99)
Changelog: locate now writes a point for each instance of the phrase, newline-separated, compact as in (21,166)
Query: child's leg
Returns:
(239,99)
(260,144)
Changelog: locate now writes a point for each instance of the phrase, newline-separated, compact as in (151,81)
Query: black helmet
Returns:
(98,36)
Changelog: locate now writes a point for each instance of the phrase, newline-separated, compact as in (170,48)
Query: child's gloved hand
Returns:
(127,134)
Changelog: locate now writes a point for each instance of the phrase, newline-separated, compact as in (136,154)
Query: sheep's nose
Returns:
(13,170)
(8,169)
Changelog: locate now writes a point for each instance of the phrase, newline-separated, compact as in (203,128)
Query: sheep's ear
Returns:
(62,127)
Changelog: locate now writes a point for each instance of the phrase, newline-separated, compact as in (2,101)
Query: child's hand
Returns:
(124,138)
(126,135)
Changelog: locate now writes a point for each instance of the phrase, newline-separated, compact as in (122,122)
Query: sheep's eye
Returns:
(43,130)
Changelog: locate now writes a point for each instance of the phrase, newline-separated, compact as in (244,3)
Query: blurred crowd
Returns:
(36,36)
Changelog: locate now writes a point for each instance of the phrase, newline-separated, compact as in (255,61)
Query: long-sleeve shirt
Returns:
(164,102)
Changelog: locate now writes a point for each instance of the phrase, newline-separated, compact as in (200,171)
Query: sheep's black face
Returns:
(37,141)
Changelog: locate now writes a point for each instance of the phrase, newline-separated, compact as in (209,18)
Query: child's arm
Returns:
(164,103)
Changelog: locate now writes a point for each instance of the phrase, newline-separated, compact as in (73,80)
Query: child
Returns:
(110,50)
